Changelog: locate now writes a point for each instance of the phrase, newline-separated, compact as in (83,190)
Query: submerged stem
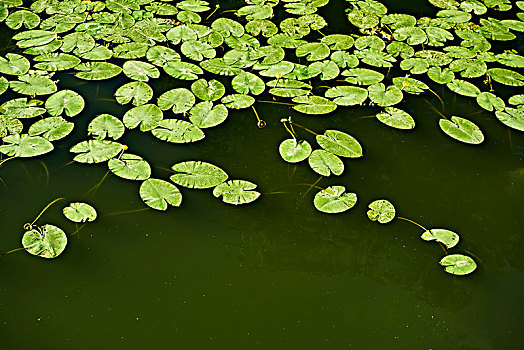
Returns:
(5,160)
(303,127)
(313,185)
(440,99)
(434,109)
(279,103)
(260,123)
(215,10)
(47,207)
(12,251)
(413,222)
(126,212)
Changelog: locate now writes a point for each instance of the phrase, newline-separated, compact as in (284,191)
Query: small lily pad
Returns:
(340,144)
(130,167)
(236,192)
(458,264)
(80,212)
(294,151)
(157,194)
(48,242)
(446,237)
(381,210)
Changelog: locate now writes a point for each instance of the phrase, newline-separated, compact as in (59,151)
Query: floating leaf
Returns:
(160,55)
(53,61)
(22,17)
(106,125)
(205,115)
(506,76)
(51,129)
(148,116)
(462,129)
(14,64)
(396,118)
(30,38)
(446,237)
(22,108)
(512,117)
(325,163)
(313,105)
(333,200)
(47,241)
(33,85)
(23,145)
(362,76)
(441,76)
(80,212)
(9,125)
(130,166)
(180,100)
(65,101)
(457,264)
(95,151)
(177,131)
(340,144)
(197,50)
(136,92)
(141,71)
(197,174)
(463,87)
(236,192)
(246,83)
(381,210)
(237,101)
(208,90)
(488,101)
(97,70)
(294,151)
(347,95)
(157,194)
(183,70)
(383,96)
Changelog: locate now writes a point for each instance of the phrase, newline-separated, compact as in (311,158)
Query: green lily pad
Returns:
(183,70)
(294,151)
(512,117)
(313,105)
(381,210)
(136,92)
(157,194)
(130,167)
(197,174)
(25,146)
(236,192)
(208,90)
(80,212)
(441,76)
(14,64)
(506,76)
(489,101)
(104,126)
(53,61)
(334,200)
(26,18)
(362,76)
(51,129)
(30,38)
(148,116)
(205,115)
(457,264)
(446,237)
(325,163)
(384,97)
(340,144)
(33,85)
(246,83)
(462,129)
(177,131)
(396,118)
(9,125)
(95,151)
(47,242)
(464,88)
(65,101)
(237,101)
(97,70)
(22,108)
(180,100)
(140,71)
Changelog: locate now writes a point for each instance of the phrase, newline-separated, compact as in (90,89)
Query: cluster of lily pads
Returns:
(249,53)
(383,211)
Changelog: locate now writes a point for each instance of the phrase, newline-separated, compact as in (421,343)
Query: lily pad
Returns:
(130,167)
(148,116)
(205,115)
(32,85)
(236,192)
(381,210)
(140,71)
(340,144)
(446,237)
(106,125)
(177,131)
(180,100)
(208,90)
(197,174)
(294,151)
(65,101)
(23,145)
(396,118)
(334,200)
(136,92)
(458,264)
(157,194)
(95,151)
(14,64)
(51,129)
(462,129)
(325,163)
(97,70)
(314,105)
(512,117)
(47,242)
(80,212)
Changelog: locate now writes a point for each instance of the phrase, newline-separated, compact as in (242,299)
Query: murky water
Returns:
(276,274)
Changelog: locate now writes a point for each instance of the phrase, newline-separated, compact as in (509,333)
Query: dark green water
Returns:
(276,274)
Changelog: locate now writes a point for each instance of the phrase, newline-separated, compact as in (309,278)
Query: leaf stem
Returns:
(413,222)
(303,127)
(440,99)
(43,211)
(279,103)
(260,123)
(215,10)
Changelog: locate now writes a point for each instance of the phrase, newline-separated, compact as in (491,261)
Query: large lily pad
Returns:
(340,144)
(65,101)
(148,116)
(334,200)
(462,129)
(14,64)
(205,115)
(197,174)
(130,167)
(51,129)
(106,125)
(177,131)
(23,145)
(314,105)
(180,100)
(95,151)
(136,92)
(325,163)
(396,118)
(31,84)
(47,242)
(157,194)
(97,70)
